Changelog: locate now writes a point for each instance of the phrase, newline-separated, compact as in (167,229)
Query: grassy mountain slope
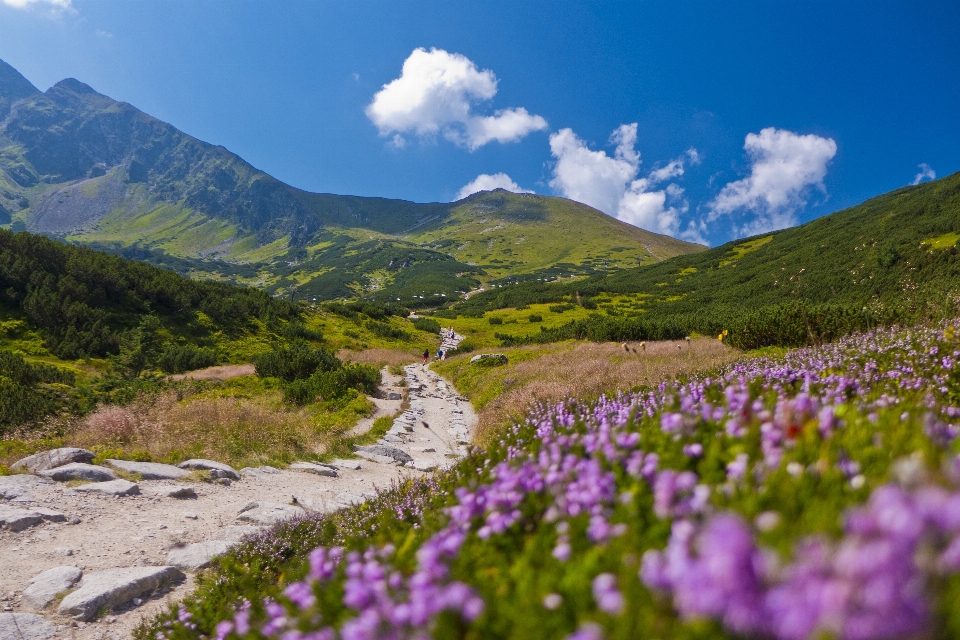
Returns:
(78,165)
(894,257)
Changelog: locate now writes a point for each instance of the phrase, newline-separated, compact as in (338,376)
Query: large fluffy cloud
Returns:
(489,182)
(785,165)
(610,183)
(436,93)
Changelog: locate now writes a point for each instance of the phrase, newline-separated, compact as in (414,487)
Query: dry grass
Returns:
(238,431)
(575,370)
(223,372)
(379,357)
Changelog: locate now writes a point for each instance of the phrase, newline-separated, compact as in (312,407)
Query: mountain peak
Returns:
(74,86)
(13,87)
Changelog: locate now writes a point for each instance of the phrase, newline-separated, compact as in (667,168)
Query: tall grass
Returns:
(535,375)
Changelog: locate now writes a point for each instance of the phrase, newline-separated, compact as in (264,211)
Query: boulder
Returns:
(46,460)
(16,519)
(211,465)
(114,587)
(197,555)
(25,626)
(150,470)
(20,484)
(268,513)
(79,471)
(49,514)
(44,588)
(385,450)
(319,469)
(111,488)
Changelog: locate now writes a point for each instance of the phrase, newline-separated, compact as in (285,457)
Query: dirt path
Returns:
(141,530)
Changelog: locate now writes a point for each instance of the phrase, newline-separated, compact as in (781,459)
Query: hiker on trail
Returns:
(439,354)
(426,356)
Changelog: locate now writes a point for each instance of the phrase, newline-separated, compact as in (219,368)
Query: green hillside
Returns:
(77,165)
(892,258)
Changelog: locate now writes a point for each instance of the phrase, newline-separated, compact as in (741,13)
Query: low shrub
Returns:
(427,324)
(535,317)
(495,320)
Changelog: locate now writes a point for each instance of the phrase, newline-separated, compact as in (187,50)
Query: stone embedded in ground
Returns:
(319,469)
(391,439)
(269,513)
(25,626)
(348,498)
(394,396)
(16,519)
(44,588)
(425,449)
(111,488)
(20,484)
(385,450)
(150,470)
(197,555)
(46,460)
(424,465)
(346,464)
(79,471)
(373,457)
(211,465)
(105,590)
(164,491)
(258,472)
(49,514)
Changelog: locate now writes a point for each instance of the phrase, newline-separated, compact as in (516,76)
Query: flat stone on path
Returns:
(51,459)
(386,450)
(79,471)
(25,626)
(350,499)
(424,465)
(44,588)
(319,469)
(166,491)
(16,519)
(197,555)
(111,488)
(236,532)
(269,513)
(373,457)
(114,587)
(19,485)
(150,470)
(211,465)
(346,464)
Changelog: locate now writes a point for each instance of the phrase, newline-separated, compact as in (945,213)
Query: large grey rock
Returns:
(268,513)
(79,471)
(49,514)
(46,460)
(20,485)
(311,467)
(150,470)
(346,464)
(111,488)
(44,588)
(226,471)
(25,626)
(197,555)
(16,519)
(114,587)
(385,450)
(259,472)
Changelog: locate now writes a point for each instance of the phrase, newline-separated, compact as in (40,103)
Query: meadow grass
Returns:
(550,373)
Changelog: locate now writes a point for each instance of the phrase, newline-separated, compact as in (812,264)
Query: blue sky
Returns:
(705,120)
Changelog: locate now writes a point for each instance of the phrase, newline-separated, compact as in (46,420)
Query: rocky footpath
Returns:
(89,550)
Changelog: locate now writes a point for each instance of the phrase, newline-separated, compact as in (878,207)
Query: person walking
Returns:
(426,356)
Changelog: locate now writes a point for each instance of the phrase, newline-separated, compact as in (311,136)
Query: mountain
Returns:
(80,166)
(893,258)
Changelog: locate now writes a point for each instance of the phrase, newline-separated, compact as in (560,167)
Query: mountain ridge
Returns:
(80,166)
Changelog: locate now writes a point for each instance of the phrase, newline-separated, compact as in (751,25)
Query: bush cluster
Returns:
(310,373)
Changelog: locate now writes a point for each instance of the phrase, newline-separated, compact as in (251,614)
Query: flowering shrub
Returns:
(797,498)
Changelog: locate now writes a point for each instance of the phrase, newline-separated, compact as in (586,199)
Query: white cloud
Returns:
(100,33)
(488,182)
(785,165)
(436,93)
(610,184)
(56,5)
(926,173)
